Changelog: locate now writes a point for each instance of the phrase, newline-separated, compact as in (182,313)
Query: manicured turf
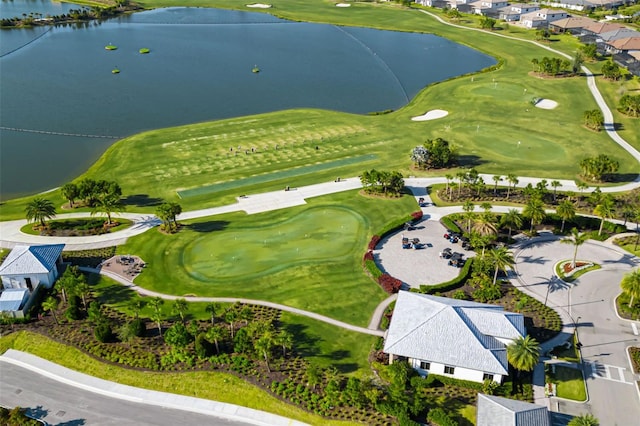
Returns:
(570,383)
(208,385)
(489,114)
(309,258)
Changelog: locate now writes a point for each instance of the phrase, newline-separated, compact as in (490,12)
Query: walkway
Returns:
(144,396)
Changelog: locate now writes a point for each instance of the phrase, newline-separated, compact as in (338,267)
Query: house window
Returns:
(424,365)
(487,376)
(449,369)
(27,281)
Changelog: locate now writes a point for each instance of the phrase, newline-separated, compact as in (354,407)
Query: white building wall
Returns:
(458,373)
(19,281)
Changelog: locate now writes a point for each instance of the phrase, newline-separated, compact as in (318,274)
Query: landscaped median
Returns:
(565,380)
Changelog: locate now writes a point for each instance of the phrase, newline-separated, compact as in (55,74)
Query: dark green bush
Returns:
(449,285)
(138,327)
(450,224)
(103,332)
(203,347)
(439,417)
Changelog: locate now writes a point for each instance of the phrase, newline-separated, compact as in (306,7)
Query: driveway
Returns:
(588,303)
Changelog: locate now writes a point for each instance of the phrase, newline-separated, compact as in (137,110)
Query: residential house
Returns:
(618,34)
(574,25)
(498,411)
(433,3)
(541,18)
(450,337)
(513,12)
(488,7)
(581,5)
(29,266)
(591,33)
(624,45)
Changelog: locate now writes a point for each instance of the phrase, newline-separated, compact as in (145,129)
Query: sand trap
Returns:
(431,115)
(546,104)
(343,5)
(259,5)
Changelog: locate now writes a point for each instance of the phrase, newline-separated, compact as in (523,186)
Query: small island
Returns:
(115,71)
(111,47)
(144,50)
(255,69)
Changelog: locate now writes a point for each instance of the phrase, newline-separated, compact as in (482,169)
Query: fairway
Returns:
(313,236)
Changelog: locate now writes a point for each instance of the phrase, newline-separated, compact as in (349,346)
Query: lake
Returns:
(61,106)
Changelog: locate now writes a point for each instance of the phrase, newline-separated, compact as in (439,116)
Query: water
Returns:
(199,68)
(15,8)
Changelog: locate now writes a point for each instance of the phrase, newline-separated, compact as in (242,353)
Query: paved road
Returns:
(589,304)
(58,403)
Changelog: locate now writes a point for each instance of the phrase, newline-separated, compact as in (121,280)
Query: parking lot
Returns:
(419,266)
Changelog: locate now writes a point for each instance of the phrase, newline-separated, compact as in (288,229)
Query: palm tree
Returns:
(211,309)
(485,225)
(605,210)
(83,289)
(215,333)
(108,205)
(313,375)
(567,211)
(630,284)
(584,420)
(180,307)
(576,239)
(534,211)
(51,304)
(156,303)
(285,339)
(496,179)
(511,219)
(513,180)
(39,209)
(264,345)
(447,189)
(468,208)
(628,213)
(555,184)
(502,258)
(231,316)
(523,353)
(460,176)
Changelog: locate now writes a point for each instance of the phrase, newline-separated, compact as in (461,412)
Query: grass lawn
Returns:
(570,383)
(309,258)
(159,163)
(209,385)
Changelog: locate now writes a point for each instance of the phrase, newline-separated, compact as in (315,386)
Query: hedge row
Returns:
(450,224)
(449,285)
(433,379)
(389,284)
(438,417)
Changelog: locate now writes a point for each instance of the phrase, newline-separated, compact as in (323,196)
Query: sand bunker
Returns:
(546,104)
(259,5)
(343,5)
(431,115)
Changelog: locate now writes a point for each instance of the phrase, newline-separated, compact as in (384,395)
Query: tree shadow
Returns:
(142,200)
(470,160)
(304,344)
(77,422)
(621,177)
(208,226)
(38,412)
(115,293)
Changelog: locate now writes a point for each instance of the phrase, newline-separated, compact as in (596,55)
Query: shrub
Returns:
(417,215)
(203,347)
(439,417)
(368,256)
(452,284)
(138,327)
(103,332)
(73,312)
(389,284)
(450,224)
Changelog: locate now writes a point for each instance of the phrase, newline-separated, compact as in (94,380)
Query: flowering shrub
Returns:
(417,215)
(368,256)
(389,284)
(374,241)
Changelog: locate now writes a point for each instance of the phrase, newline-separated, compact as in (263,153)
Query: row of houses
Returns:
(611,38)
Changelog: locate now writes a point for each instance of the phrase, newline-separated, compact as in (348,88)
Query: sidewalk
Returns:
(144,396)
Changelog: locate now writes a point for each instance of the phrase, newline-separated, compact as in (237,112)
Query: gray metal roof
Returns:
(498,411)
(453,332)
(11,299)
(31,259)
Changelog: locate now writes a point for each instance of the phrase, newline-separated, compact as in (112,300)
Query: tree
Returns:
(108,205)
(231,316)
(523,353)
(590,51)
(70,192)
(593,119)
(484,224)
(211,309)
(584,420)
(420,156)
(162,211)
(440,153)
(567,211)
(576,239)
(156,303)
(51,304)
(468,208)
(630,284)
(502,258)
(578,60)
(555,184)
(177,335)
(40,209)
(511,219)
(264,345)
(136,306)
(460,176)
(313,375)
(215,333)
(487,23)
(496,179)
(534,211)
(174,211)
(611,70)
(83,289)
(127,332)
(284,339)
(180,307)
(604,210)
(513,180)
(630,105)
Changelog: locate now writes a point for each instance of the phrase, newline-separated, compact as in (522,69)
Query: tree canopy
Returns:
(598,168)
(434,154)
(382,182)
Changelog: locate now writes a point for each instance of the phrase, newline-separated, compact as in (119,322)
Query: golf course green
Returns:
(314,236)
